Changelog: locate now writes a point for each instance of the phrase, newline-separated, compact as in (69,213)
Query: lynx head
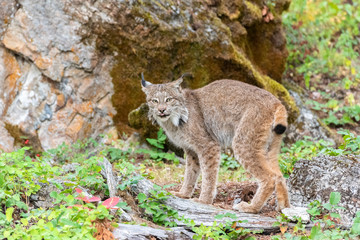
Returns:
(166,102)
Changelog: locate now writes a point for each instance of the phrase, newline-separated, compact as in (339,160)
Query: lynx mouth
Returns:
(163,115)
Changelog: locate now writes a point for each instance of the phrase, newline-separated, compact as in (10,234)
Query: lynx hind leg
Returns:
(192,172)
(280,184)
(249,146)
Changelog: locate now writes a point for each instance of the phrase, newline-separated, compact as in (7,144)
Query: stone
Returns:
(306,124)
(44,67)
(7,10)
(6,141)
(317,178)
(296,212)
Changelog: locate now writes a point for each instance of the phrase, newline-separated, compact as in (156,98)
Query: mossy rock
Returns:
(212,40)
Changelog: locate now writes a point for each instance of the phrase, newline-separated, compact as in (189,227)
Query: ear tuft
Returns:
(144,83)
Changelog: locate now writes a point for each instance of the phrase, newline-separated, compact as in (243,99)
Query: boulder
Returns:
(54,87)
(317,178)
(70,68)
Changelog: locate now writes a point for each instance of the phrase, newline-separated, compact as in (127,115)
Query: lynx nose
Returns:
(162,109)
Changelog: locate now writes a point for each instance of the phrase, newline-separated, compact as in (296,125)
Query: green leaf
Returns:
(24,221)
(7,234)
(141,197)
(70,223)
(335,215)
(315,232)
(355,229)
(335,198)
(9,213)
(54,194)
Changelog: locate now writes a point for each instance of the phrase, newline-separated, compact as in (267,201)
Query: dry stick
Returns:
(107,173)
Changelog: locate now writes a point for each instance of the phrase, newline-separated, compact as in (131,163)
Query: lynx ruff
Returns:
(225,113)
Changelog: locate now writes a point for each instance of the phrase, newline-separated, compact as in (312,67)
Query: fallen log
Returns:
(205,214)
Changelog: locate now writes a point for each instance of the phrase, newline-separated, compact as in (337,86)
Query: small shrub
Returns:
(154,206)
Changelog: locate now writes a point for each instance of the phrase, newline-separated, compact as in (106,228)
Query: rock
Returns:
(54,85)
(7,10)
(42,199)
(317,178)
(306,124)
(136,232)
(296,212)
(6,141)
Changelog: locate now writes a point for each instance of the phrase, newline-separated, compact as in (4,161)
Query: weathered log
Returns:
(136,232)
(204,214)
(107,173)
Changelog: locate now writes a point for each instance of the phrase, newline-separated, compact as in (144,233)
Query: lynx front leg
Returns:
(192,172)
(209,163)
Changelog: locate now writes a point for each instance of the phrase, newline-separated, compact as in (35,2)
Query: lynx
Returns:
(223,114)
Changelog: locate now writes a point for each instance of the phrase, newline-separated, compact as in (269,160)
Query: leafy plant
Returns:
(337,115)
(307,149)
(326,220)
(302,149)
(61,222)
(229,162)
(128,173)
(321,37)
(157,152)
(21,176)
(229,230)
(154,206)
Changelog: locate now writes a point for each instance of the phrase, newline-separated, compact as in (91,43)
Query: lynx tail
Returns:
(280,120)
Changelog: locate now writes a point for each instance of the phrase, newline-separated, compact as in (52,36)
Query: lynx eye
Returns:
(154,100)
(168,99)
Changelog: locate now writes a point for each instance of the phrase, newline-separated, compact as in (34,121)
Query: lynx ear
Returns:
(144,83)
(178,82)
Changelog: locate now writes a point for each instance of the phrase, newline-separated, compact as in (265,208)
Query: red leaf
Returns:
(111,202)
(85,199)
(94,199)
(78,190)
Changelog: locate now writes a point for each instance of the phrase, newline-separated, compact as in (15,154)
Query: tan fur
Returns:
(225,113)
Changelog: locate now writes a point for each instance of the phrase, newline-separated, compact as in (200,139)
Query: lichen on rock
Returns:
(315,179)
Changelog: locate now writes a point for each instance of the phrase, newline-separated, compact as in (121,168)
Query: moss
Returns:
(15,132)
(20,137)
(254,9)
(138,119)
(163,53)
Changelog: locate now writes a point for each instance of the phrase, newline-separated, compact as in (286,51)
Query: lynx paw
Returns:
(245,207)
(203,201)
(279,208)
(179,194)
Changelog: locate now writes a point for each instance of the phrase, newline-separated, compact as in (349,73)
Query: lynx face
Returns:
(166,102)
